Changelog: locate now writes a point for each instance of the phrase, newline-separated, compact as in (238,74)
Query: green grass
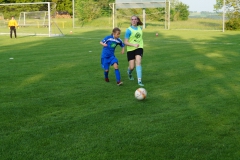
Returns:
(198,24)
(55,104)
(190,24)
(66,25)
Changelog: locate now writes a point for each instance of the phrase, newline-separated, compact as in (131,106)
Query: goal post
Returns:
(33,18)
(142,4)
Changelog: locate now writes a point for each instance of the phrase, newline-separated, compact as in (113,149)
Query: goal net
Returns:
(36,18)
(33,18)
(152,12)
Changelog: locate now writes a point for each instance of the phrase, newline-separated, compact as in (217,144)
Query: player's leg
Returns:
(15,33)
(106,75)
(105,66)
(11,32)
(117,72)
(138,60)
(131,59)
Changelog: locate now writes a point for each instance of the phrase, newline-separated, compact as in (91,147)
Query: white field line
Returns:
(162,41)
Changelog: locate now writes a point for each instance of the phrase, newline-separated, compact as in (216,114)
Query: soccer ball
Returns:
(140,94)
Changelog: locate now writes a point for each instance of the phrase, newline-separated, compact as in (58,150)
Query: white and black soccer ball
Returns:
(140,94)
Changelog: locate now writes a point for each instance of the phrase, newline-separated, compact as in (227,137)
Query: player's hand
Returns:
(105,45)
(136,45)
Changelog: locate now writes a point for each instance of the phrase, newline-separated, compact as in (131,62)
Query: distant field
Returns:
(191,23)
(55,103)
(198,24)
(106,23)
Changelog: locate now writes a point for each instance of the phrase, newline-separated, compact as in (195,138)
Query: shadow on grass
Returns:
(54,96)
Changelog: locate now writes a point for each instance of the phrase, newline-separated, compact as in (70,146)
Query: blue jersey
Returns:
(112,43)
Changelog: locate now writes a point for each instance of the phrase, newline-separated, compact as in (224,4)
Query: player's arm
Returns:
(122,45)
(122,51)
(126,40)
(130,44)
(103,44)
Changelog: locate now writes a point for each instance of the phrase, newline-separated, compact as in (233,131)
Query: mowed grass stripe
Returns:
(56,105)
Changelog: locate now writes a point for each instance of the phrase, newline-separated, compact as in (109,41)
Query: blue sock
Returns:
(117,74)
(139,73)
(106,74)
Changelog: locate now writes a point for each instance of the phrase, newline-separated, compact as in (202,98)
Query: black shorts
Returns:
(12,27)
(131,54)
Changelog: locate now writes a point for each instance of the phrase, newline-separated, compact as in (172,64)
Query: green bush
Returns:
(233,24)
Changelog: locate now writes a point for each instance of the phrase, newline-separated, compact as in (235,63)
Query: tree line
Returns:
(97,8)
(62,5)
(87,10)
(232,8)
(8,11)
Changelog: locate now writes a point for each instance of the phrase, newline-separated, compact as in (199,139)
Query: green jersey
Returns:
(135,38)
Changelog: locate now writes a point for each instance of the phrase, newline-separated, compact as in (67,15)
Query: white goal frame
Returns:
(125,4)
(32,3)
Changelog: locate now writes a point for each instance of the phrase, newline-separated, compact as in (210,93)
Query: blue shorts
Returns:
(106,62)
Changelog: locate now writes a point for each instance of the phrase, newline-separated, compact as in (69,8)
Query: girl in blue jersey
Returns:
(134,42)
(108,58)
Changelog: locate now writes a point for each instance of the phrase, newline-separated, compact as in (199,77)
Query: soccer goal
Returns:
(151,12)
(37,18)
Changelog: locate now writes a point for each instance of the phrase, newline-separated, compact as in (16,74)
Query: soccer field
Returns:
(55,103)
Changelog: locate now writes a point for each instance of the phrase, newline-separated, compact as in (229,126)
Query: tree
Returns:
(174,3)
(87,10)
(14,10)
(180,11)
(231,5)
(64,5)
(232,8)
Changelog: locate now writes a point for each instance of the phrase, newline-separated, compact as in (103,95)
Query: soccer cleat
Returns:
(130,76)
(106,79)
(119,83)
(140,84)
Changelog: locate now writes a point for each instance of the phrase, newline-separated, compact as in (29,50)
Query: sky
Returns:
(200,5)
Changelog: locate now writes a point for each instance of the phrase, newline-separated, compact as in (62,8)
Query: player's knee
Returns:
(115,65)
(131,67)
(138,63)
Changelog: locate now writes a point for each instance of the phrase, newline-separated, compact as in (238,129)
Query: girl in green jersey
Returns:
(134,42)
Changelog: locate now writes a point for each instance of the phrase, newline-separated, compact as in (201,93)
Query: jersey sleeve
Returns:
(127,34)
(121,43)
(104,40)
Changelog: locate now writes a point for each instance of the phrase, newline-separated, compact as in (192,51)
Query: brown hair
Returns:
(116,29)
(139,23)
